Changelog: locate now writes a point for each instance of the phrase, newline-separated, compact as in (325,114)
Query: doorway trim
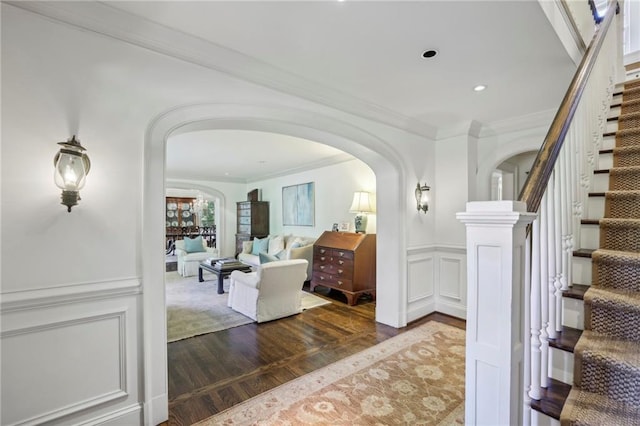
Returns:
(378,154)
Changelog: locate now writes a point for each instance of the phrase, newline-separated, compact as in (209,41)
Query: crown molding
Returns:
(106,20)
(523,122)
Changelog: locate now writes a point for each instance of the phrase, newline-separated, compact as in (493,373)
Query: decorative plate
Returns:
(174,223)
(186,214)
(190,223)
(170,213)
(172,206)
(168,223)
(186,206)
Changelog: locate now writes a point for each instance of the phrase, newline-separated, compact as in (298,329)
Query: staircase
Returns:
(603,332)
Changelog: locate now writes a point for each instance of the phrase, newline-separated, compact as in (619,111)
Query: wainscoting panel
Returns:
(73,360)
(436,281)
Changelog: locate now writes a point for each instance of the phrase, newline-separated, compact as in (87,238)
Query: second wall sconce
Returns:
(422,197)
(71,167)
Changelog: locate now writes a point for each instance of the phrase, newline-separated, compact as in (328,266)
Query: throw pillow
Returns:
(282,255)
(266,258)
(296,244)
(260,245)
(193,245)
(276,245)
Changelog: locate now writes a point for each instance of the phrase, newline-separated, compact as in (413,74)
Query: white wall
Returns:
(334,188)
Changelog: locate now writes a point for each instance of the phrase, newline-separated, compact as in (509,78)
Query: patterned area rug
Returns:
(195,308)
(415,378)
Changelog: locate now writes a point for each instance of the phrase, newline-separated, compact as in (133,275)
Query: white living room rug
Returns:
(195,308)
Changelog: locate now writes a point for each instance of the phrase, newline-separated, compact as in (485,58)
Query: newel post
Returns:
(496,232)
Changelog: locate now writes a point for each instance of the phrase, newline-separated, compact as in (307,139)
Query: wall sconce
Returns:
(72,166)
(361,205)
(422,198)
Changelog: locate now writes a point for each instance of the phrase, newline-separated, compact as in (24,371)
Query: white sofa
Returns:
(272,291)
(188,262)
(285,247)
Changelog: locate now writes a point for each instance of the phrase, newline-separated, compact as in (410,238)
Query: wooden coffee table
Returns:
(221,273)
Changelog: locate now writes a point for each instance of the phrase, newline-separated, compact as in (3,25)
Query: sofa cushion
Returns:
(194,245)
(276,245)
(266,258)
(260,245)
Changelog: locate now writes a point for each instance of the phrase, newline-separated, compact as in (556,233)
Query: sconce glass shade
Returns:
(422,197)
(71,167)
(361,205)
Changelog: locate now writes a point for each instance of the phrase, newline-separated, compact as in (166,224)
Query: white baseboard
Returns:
(131,415)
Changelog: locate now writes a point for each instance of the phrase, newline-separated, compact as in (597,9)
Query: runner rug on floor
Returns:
(414,378)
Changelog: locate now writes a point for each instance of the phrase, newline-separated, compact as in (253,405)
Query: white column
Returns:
(495,324)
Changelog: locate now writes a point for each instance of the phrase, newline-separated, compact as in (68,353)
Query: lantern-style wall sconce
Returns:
(422,197)
(71,168)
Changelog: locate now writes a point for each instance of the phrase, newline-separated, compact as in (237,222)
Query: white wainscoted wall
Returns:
(437,281)
(80,344)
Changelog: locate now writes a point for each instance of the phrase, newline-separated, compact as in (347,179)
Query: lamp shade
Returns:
(361,203)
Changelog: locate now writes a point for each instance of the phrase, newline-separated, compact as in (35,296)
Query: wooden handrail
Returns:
(536,183)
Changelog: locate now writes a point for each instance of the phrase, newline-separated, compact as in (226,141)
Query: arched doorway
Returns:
(372,150)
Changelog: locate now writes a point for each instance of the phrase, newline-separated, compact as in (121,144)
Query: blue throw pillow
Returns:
(260,245)
(266,257)
(193,245)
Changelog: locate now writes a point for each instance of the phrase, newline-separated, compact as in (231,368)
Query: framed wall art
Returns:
(298,204)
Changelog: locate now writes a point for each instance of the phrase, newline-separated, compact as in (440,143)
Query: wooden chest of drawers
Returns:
(346,262)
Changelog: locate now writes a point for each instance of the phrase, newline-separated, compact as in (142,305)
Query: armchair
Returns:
(188,262)
(273,291)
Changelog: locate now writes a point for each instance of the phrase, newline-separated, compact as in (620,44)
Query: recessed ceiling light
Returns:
(479,87)
(429,53)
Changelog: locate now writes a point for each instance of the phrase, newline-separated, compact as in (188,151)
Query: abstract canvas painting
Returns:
(298,204)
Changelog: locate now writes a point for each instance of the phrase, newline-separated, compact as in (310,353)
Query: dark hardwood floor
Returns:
(210,373)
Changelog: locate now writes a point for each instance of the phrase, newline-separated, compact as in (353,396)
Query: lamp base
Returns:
(70,199)
(361,223)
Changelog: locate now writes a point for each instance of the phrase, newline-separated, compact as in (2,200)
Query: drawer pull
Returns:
(339,282)
(321,266)
(340,271)
(341,253)
(322,258)
(341,262)
(321,278)
(323,251)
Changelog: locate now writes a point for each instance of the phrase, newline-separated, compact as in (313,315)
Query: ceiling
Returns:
(366,58)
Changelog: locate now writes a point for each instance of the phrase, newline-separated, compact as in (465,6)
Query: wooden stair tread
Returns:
(601,171)
(576,291)
(552,399)
(616,105)
(606,151)
(596,194)
(612,118)
(583,252)
(590,221)
(567,339)
(605,134)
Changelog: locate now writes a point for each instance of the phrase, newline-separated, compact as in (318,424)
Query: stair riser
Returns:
(573,313)
(605,161)
(607,319)
(589,236)
(540,419)
(613,379)
(608,275)
(595,208)
(608,142)
(561,365)
(582,270)
(623,208)
(620,238)
(600,182)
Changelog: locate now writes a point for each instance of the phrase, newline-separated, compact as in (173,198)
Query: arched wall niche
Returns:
(378,154)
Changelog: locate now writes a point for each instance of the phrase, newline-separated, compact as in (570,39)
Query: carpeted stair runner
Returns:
(606,389)
(622,203)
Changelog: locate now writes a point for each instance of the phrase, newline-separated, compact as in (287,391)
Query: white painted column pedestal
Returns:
(496,232)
